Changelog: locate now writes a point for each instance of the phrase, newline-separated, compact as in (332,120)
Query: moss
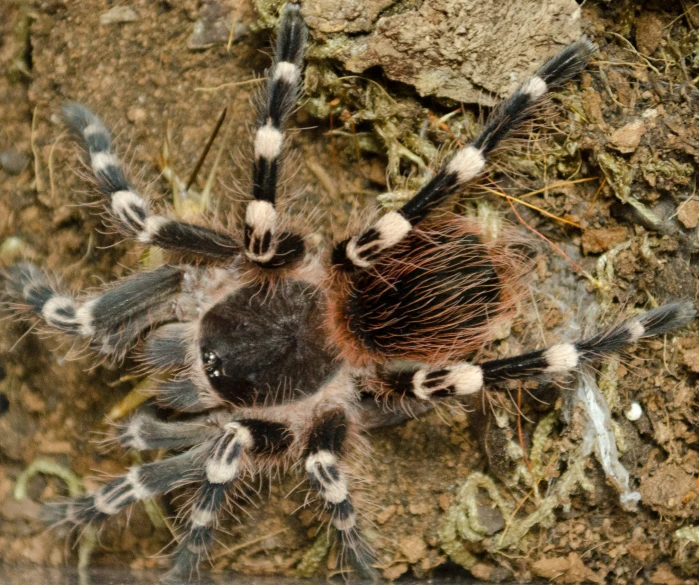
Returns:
(620,175)
(268,14)
(313,556)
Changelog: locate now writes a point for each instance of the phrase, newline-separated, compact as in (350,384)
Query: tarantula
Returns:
(269,343)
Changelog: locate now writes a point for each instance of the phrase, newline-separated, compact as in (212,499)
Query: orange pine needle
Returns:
(561,184)
(511,198)
(594,199)
(579,268)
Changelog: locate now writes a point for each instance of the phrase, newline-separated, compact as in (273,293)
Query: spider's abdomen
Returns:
(432,298)
(264,345)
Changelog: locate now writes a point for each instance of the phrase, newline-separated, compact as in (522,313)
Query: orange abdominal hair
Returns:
(434,297)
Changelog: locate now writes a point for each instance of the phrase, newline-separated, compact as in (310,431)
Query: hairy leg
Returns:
(323,461)
(223,466)
(130,211)
(466,378)
(264,244)
(113,320)
(360,252)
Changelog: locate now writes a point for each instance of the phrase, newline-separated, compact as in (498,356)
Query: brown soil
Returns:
(631,119)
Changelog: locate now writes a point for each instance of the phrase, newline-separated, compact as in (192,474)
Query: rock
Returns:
(688,213)
(603,239)
(13,162)
(137,115)
(490,518)
(25,509)
(347,16)
(418,509)
(570,569)
(4,403)
(663,575)
(627,138)
(214,26)
(550,568)
(692,14)
(118,14)
(414,548)
(592,105)
(32,401)
(633,412)
(474,51)
(649,33)
(395,571)
(17,436)
(385,514)
(482,571)
(691,359)
(666,489)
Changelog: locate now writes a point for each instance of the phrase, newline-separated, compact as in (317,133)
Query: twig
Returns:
(202,156)
(40,187)
(554,246)
(53,148)
(243,545)
(232,84)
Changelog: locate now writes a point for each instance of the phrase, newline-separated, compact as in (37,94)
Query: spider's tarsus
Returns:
(98,142)
(112,321)
(27,283)
(568,63)
(132,211)
(667,318)
(292,35)
(358,555)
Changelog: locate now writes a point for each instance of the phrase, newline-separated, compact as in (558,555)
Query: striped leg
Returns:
(223,465)
(129,209)
(145,432)
(167,347)
(140,483)
(263,244)
(323,464)
(113,320)
(464,378)
(360,252)
(181,395)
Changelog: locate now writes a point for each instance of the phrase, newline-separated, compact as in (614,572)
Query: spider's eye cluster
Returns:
(212,364)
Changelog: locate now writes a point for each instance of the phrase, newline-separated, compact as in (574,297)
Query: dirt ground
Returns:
(515,490)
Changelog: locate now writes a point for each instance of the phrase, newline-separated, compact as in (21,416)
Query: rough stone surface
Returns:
(445,48)
(119,14)
(688,214)
(627,138)
(649,33)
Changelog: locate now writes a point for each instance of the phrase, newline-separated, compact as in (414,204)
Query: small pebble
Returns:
(13,161)
(627,138)
(214,26)
(634,411)
(137,115)
(688,213)
(118,14)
